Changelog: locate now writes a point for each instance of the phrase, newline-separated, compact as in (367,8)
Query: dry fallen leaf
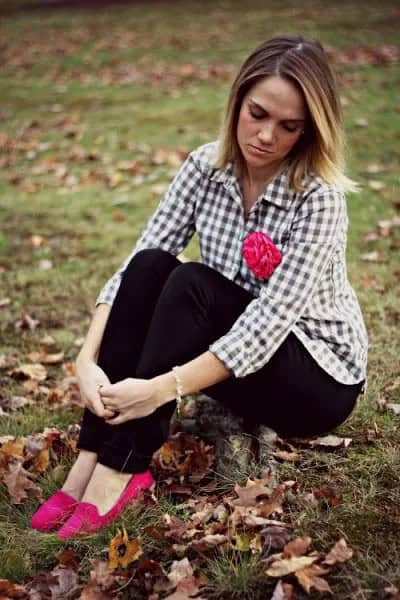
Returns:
(45,358)
(187,589)
(339,553)
(254,489)
(4,302)
(66,584)
(392,592)
(48,340)
(376,185)
(9,590)
(7,361)
(18,482)
(328,494)
(122,551)
(37,241)
(368,282)
(179,570)
(209,541)
(13,402)
(331,441)
(246,541)
(310,577)
(26,322)
(393,407)
(45,265)
(297,547)
(36,372)
(374,168)
(285,566)
(361,122)
(285,455)
(373,256)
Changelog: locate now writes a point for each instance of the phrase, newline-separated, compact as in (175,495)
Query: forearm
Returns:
(201,372)
(91,345)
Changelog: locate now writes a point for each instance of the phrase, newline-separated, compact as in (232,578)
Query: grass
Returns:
(73,122)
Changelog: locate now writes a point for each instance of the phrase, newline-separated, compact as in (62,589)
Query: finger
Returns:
(107,414)
(97,405)
(109,403)
(117,420)
(106,391)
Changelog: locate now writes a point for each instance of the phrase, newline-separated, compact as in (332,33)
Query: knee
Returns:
(150,259)
(187,276)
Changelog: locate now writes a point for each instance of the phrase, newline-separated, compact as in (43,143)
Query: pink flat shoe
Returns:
(86,518)
(54,512)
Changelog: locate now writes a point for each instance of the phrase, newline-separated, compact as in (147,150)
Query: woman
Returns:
(285,347)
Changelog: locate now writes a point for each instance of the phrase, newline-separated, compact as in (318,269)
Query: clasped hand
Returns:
(118,402)
(130,398)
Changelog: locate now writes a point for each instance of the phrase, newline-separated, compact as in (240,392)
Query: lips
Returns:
(259,150)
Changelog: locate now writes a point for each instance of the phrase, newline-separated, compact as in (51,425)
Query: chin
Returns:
(259,161)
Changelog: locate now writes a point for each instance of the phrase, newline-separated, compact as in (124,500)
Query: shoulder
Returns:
(318,193)
(204,157)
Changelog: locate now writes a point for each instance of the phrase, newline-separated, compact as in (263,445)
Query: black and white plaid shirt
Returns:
(308,293)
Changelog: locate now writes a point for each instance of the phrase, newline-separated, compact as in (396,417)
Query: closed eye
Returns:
(256,113)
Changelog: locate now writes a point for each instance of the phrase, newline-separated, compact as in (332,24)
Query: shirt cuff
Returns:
(234,355)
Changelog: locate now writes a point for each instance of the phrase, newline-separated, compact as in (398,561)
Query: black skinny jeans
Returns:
(167,313)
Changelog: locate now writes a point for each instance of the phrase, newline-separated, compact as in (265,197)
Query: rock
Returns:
(236,450)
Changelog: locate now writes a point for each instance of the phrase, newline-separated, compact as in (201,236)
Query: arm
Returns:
(90,375)
(136,398)
(91,345)
(170,228)
(197,374)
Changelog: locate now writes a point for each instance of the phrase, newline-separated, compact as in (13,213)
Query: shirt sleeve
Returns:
(170,228)
(268,319)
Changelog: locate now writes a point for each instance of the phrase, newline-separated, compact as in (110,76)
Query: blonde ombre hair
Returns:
(319,149)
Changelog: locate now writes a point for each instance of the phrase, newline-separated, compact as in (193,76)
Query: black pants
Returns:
(167,313)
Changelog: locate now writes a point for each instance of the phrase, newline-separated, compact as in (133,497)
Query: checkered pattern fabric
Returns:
(308,293)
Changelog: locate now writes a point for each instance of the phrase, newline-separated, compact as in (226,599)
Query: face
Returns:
(271,119)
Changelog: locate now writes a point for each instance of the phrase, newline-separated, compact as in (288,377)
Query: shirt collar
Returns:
(276,192)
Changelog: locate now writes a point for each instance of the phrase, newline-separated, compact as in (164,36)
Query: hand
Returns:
(90,378)
(131,398)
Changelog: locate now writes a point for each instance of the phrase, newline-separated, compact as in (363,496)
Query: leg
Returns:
(197,305)
(126,330)
(291,394)
(80,474)
(120,350)
(180,329)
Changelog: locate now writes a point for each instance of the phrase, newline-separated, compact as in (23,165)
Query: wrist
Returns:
(84,357)
(165,388)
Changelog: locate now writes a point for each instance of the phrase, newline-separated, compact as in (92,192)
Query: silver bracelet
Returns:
(178,389)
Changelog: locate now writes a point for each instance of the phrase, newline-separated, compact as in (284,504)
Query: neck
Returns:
(260,177)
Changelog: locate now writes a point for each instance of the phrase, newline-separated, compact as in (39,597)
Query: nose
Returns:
(266,133)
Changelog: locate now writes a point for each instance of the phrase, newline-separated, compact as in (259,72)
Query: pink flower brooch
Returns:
(261,254)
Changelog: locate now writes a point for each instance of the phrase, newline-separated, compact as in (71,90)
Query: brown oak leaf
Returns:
(18,482)
(297,547)
(249,494)
(285,566)
(339,553)
(310,577)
